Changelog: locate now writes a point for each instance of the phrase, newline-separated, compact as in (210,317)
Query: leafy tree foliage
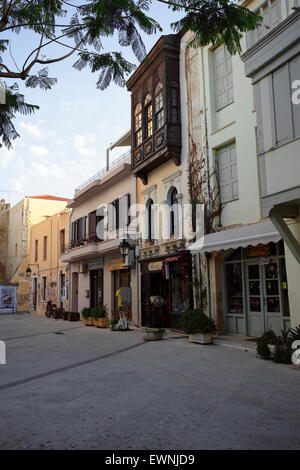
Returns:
(80,28)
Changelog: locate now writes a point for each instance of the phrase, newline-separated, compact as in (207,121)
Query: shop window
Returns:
(234,286)
(138,125)
(148,116)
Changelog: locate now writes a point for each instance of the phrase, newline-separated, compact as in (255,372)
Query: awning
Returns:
(254,234)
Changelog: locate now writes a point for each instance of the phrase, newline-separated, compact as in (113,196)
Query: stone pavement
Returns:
(66,386)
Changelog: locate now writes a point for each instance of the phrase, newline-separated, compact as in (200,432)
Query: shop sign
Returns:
(95,263)
(155,266)
(116,265)
(256,251)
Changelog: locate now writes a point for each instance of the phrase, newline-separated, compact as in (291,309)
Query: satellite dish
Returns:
(158,301)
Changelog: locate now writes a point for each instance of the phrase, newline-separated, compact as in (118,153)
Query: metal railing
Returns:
(88,239)
(114,163)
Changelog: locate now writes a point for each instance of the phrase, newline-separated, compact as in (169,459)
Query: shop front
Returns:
(120,277)
(165,290)
(256,290)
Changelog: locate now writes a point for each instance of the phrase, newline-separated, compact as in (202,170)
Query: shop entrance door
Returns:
(96,286)
(121,278)
(264,298)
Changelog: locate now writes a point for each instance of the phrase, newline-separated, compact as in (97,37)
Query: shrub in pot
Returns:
(198,326)
(100,318)
(266,344)
(87,316)
(153,334)
(73,316)
(58,314)
(113,324)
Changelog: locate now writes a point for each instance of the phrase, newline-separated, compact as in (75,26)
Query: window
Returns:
(174,105)
(44,289)
(94,219)
(138,125)
(173,212)
(234,285)
(45,249)
(79,231)
(148,116)
(36,251)
(16,249)
(228,176)
(287,113)
(223,77)
(159,106)
(62,241)
(149,220)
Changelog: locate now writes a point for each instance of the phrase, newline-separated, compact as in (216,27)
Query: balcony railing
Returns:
(102,172)
(88,239)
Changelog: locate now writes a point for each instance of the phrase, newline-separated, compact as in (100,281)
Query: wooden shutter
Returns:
(295,75)
(228,175)
(282,105)
(92,224)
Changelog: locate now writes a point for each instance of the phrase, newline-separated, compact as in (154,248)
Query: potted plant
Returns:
(87,316)
(57,314)
(113,324)
(153,334)
(73,316)
(198,326)
(100,318)
(64,315)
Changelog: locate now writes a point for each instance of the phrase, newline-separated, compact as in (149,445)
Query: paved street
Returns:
(66,386)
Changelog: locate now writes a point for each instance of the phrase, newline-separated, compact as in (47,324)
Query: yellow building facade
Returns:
(22,217)
(49,278)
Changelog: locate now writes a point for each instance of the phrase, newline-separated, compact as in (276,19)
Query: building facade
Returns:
(4,217)
(28,212)
(161,168)
(99,221)
(248,286)
(49,274)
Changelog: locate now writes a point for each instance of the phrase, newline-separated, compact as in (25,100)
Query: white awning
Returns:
(254,234)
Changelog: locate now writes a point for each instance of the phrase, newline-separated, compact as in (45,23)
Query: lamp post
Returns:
(124,248)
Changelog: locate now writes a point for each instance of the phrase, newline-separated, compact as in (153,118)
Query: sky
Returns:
(64,143)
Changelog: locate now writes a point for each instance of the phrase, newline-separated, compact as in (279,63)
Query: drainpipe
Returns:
(285,233)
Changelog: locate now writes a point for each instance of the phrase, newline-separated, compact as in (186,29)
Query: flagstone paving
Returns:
(66,386)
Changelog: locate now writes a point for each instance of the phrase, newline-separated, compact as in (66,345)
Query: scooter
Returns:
(50,309)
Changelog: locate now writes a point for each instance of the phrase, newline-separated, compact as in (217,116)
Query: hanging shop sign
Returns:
(97,263)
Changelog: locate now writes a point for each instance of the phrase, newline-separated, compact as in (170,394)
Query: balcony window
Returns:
(223,77)
(174,105)
(159,106)
(148,116)
(138,125)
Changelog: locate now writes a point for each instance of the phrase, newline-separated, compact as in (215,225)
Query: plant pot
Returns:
(85,321)
(57,315)
(101,322)
(201,338)
(74,317)
(114,328)
(151,336)
(89,321)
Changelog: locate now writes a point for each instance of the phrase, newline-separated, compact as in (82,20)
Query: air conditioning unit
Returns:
(82,268)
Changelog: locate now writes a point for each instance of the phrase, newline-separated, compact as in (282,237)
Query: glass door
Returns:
(255,299)
(273,315)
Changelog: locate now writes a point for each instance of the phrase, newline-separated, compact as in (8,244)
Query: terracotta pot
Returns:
(74,317)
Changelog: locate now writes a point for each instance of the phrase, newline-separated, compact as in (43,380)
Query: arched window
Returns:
(148,116)
(159,106)
(173,202)
(150,219)
(138,125)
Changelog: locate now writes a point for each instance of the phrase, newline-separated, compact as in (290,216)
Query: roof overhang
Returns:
(254,234)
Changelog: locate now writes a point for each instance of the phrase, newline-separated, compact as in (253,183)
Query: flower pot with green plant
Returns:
(73,316)
(113,324)
(198,326)
(100,318)
(87,316)
(58,314)
(153,334)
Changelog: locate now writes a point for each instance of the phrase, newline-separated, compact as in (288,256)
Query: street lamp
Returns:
(124,248)
(28,272)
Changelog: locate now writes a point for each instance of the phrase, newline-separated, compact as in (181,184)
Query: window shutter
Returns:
(282,105)
(295,75)
(92,224)
(228,176)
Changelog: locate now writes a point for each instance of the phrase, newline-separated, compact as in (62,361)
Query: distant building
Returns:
(26,213)
(4,216)
(49,274)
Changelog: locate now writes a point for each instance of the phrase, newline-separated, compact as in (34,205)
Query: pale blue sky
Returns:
(64,143)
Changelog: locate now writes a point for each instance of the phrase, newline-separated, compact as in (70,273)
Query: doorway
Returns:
(121,278)
(96,287)
(265,306)
(75,292)
(34,293)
